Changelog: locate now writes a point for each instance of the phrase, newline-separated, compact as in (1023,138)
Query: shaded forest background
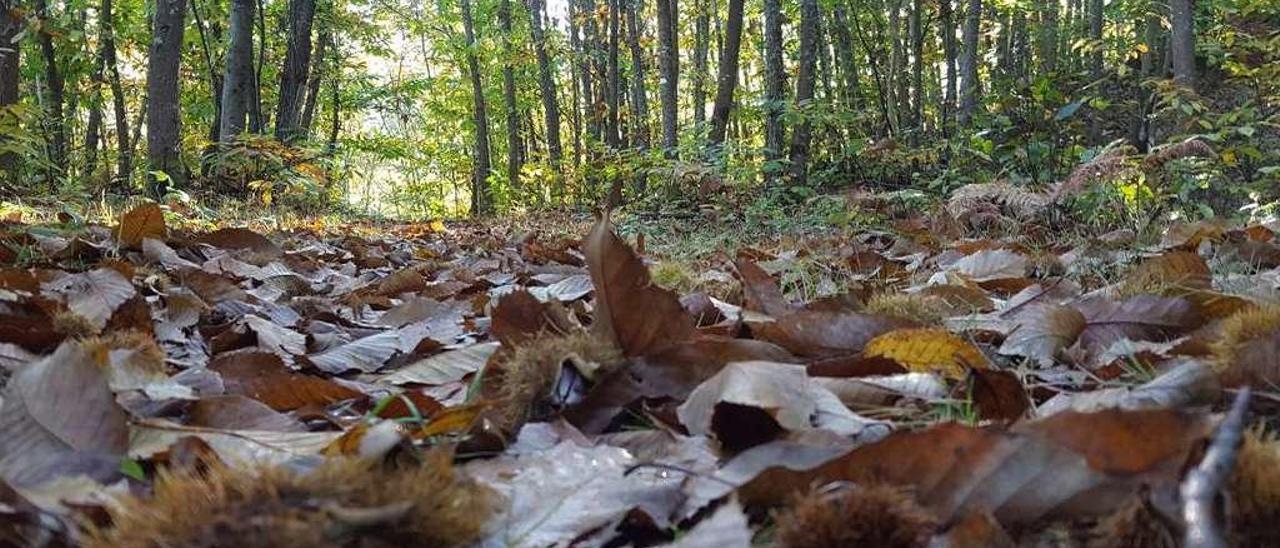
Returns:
(444,108)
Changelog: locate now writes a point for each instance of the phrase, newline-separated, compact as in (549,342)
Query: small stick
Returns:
(1203,483)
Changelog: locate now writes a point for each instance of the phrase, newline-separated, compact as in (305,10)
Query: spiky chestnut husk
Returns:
(872,515)
(529,372)
(1134,525)
(924,309)
(1255,491)
(343,503)
(1237,332)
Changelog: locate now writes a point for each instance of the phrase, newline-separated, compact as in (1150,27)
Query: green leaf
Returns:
(130,468)
(1068,111)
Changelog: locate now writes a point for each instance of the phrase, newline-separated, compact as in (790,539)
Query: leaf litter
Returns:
(948,390)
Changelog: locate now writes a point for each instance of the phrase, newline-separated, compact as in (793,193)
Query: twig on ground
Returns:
(1203,483)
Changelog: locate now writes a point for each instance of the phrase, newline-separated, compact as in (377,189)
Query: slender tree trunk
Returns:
(335,90)
(509,94)
(639,99)
(845,57)
(614,87)
(1183,43)
(55,91)
(969,87)
(481,201)
(727,80)
(257,122)
(917,72)
(10,26)
(895,74)
(124,160)
(805,79)
(293,74)
(1095,34)
(93,133)
(237,82)
(1048,37)
(774,85)
(1153,38)
(948,30)
(547,83)
(164,117)
(215,81)
(578,77)
(669,65)
(701,42)
(318,73)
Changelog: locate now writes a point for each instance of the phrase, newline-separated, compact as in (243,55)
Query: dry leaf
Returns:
(139,223)
(1044,330)
(924,350)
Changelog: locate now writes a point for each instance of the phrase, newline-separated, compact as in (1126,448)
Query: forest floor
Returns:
(857,375)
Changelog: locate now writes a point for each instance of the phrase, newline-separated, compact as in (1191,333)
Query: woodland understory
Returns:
(805,273)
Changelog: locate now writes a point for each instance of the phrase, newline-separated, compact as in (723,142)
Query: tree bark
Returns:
(969,87)
(164,117)
(1048,37)
(845,57)
(215,80)
(93,133)
(55,90)
(509,95)
(547,83)
(319,70)
(481,201)
(293,74)
(805,79)
(613,95)
(774,87)
(639,99)
(1183,42)
(948,30)
(10,62)
(727,79)
(701,43)
(237,81)
(669,63)
(917,72)
(890,91)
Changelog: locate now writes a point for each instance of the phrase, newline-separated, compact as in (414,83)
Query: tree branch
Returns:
(1203,483)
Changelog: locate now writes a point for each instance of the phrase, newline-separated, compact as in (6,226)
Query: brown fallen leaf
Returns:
(139,223)
(1139,318)
(641,317)
(824,334)
(241,238)
(998,395)
(264,377)
(1068,466)
(759,291)
(94,295)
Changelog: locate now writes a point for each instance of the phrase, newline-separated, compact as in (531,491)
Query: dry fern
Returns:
(1014,200)
(1191,148)
(1108,166)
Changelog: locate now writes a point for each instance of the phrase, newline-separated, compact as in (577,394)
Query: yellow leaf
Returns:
(453,420)
(144,221)
(1229,157)
(924,350)
(1143,49)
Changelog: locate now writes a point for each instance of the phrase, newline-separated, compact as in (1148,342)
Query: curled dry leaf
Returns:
(443,368)
(759,291)
(94,295)
(924,350)
(1187,383)
(367,354)
(241,238)
(991,264)
(1140,318)
(640,316)
(1044,330)
(823,334)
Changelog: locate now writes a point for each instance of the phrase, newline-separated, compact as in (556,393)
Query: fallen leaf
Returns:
(1140,318)
(924,350)
(822,334)
(998,395)
(139,223)
(1043,331)
(264,377)
(759,291)
(1187,383)
(639,316)
(990,265)
(444,368)
(367,354)
(94,295)
(240,413)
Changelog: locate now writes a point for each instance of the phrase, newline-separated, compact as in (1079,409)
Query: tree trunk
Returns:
(669,68)
(215,80)
(54,91)
(164,117)
(256,122)
(237,81)
(293,74)
(890,90)
(614,87)
(917,72)
(774,85)
(1095,34)
(727,79)
(639,100)
(10,26)
(845,57)
(969,89)
(701,42)
(1183,43)
(93,133)
(546,81)
(805,77)
(1153,38)
(1048,37)
(578,77)
(481,201)
(948,30)
(509,95)
(318,72)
